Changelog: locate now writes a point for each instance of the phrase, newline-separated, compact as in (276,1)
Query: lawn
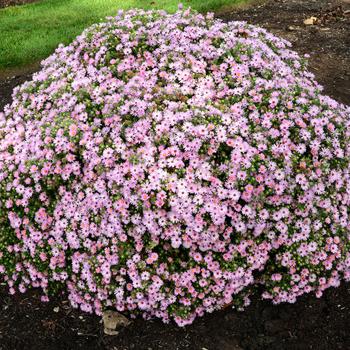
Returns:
(31,32)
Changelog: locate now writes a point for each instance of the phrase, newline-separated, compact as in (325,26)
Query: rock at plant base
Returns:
(113,321)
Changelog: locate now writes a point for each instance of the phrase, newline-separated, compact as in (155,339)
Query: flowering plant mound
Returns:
(168,164)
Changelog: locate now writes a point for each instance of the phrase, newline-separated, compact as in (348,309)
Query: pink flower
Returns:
(73,130)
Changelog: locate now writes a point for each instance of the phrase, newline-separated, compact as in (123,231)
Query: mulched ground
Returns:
(321,324)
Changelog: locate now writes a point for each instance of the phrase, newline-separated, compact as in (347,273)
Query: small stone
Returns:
(310,21)
(113,320)
(56,309)
(293,28)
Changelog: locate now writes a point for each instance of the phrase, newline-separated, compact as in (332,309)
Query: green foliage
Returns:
(31,32)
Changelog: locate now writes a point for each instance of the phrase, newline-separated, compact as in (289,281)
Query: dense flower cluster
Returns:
(168,164)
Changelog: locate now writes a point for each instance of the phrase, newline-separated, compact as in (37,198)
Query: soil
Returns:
(310,323)
(321,324)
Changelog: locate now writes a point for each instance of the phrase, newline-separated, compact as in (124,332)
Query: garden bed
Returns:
(26,323)
(322,324)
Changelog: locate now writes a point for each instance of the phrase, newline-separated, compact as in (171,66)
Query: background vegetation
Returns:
(31,32)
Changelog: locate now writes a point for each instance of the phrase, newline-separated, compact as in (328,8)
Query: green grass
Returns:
(31,32)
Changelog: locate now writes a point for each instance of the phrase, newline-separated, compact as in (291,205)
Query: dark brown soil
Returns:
(321,324)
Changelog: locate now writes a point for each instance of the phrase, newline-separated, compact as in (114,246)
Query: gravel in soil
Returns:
(310,323)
